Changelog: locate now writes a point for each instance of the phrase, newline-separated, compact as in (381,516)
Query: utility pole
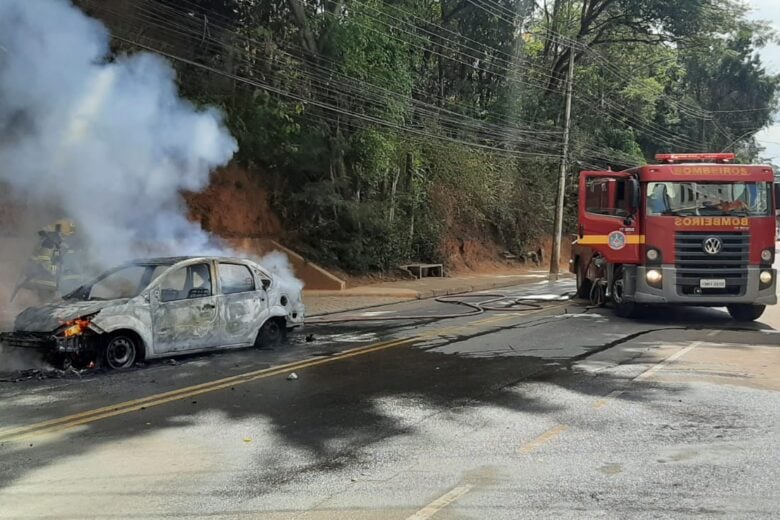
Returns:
(555,258)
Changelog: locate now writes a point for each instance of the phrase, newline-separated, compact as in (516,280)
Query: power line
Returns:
(326,106)
(619,158)
(600,153)
(331,70)
(645,126)
(446,120)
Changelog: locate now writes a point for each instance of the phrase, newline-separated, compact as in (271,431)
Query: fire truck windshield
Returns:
(748,199)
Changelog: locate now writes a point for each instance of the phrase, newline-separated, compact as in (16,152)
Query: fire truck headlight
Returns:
(765,277)
(653,254)
(766,255)
(654,277)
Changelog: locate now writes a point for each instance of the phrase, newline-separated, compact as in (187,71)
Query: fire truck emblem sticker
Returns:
(617,240)
(712,246)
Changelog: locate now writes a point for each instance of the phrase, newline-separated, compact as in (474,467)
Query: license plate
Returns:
(712,284)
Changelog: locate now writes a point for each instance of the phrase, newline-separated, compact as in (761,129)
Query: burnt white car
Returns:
(162,307)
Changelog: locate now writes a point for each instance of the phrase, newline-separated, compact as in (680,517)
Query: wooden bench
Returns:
(423,270)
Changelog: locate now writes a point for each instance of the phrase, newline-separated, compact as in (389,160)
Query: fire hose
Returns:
(492,303)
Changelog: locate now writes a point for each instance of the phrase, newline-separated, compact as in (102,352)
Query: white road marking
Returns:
(545,297)
(601,403)
(441,502)
(375,313)
(671,359)
(677,355)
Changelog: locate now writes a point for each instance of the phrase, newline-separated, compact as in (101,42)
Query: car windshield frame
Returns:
(709,199)
(152,271)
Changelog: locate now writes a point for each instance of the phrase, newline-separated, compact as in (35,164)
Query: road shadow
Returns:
(336,413)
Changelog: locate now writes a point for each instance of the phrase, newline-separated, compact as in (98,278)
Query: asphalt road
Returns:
(553,412)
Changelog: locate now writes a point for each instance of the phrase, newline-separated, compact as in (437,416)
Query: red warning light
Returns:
(672,158)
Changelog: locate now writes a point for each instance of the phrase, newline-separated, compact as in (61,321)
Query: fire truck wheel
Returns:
(626,309)
(746,312)
(584,285)
(623,308)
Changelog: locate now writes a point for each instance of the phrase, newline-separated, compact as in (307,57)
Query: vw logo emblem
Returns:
(712,246)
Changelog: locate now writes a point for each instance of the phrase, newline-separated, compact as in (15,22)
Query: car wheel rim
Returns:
(273,330)
(120,353)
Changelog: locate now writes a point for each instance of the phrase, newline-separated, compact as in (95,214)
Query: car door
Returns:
(609,223)
(185,310)
(244,304)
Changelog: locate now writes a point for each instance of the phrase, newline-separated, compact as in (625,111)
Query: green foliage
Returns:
(389,127)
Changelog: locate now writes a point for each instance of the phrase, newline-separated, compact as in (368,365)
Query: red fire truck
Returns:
(692,230)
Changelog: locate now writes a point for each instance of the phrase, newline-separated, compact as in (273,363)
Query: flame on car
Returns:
(76,327)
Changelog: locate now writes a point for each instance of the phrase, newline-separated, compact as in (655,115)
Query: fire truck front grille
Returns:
(694,264)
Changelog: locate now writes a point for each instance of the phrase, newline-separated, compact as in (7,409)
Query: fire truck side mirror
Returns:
(777,199)
(635,195)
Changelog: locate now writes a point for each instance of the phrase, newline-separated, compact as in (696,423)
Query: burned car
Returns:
(161,307)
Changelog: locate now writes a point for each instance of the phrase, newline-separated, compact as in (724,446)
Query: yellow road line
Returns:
(105,412)
(601,403)
(544,438)
(441,502)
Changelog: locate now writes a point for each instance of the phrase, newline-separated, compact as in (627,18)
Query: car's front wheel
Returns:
(120,352)
(746,312)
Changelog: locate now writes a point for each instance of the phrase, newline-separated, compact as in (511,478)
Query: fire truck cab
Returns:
(691,230)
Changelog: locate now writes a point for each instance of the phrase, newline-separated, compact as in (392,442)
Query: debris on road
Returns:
(43,373)
(292,377)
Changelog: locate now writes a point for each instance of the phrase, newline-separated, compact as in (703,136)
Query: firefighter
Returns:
(42,271)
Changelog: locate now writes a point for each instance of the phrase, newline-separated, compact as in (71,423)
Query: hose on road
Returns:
(491,303)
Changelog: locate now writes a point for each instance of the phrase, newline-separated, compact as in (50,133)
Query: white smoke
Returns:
(12,360)
(278,264)
(108,140)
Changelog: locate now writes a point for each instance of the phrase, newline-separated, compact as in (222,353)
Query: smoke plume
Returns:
(106,140)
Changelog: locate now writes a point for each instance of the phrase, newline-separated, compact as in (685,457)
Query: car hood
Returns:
(48,318)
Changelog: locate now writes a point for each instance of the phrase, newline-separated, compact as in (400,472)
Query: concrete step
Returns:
(313,276)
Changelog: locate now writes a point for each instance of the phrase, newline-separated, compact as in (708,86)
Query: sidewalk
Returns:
(327,302)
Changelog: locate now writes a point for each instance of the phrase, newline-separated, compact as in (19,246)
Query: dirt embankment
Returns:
(468,247)
(236,204)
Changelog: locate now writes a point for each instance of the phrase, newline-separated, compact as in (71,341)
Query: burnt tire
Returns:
(272,333)
(746,312)
(120,352)
(584,286)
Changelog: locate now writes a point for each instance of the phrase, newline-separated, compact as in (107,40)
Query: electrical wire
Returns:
(624,159)
(650,129)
